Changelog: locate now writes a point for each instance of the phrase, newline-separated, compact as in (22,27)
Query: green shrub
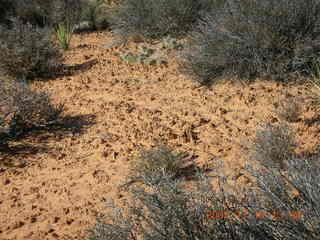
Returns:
(23,109)
(27,51)
(154,19)
(64,34)
(251,38)
(65,17)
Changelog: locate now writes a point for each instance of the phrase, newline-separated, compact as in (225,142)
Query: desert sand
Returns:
(53,184)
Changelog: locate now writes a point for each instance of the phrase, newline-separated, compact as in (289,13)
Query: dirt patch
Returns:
(58,192)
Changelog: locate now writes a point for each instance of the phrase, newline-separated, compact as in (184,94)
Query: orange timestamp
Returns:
(274,215)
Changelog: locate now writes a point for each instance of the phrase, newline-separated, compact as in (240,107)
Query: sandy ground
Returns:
(53,185)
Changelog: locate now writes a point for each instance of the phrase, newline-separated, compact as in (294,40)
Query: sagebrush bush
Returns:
(6,8)
(289,109)
(282,205)
(154,19)
(66,15)
(34,12)
(171,211)
(167,211)
(67,12)
(150,166)
(96,12)
(315,93)
(292,197)
(273,145)
(47,13)
(27,51)
(252,38)
(22,109)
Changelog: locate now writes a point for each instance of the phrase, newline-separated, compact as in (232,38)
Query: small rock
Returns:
(83,26)
(7,181)
(101,176)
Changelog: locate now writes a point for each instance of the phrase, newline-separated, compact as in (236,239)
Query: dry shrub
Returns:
(273,145)
(170,209)
(22,109)
(289,109)
(155,19)
(27,51)
(153,164)
(6,8)
(276,39)
(47,13)
(97,13)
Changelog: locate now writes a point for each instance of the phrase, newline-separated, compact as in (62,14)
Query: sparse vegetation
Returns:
(66,14)
(27,51)
(152,165)
(276,39)
(46,13)
(35,12)
(23,109)
(145,55)
(250,39)
(64,34)
(96,12)
(282,205)
(273,145)
(166,211)
(155,19)
(292,197)
(289,109)
(6,8)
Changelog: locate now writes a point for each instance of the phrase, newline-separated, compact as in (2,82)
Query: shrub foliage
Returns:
(6,8)
(35,12)
(281,204)
(273,145)
(252,38)
(154,19)
(22,109)
(44,13)
(151,165)
(27,51)
(96,12)
(171,211)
